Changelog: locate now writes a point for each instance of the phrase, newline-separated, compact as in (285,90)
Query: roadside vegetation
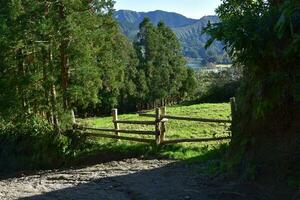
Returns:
(35,145)
(262,38)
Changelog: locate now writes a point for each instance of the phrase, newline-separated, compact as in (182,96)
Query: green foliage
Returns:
(217,86)
(161,60)
(263,38)
(252,35)
(52,61)
(293,182)
(31,144)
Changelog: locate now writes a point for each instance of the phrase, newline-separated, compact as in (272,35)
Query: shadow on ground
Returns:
(128,178)
(135,179)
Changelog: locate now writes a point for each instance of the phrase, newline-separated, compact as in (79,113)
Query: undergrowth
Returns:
(33,144)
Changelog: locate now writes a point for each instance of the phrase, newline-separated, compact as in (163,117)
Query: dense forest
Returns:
(53,63)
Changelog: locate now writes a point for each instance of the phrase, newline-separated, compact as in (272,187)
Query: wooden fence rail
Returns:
(197,119)
(138,132)
(188,118)
(135,122)
(160,127)
(175,141)
(102,135)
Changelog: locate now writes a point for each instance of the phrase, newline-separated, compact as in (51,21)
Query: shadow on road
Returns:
(134,182)
(135,179)
(146,180)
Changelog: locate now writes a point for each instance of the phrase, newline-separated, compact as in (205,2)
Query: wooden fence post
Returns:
(157,125)
(233,108)
(233,112)
(115,119)
(163,124)
(73,117)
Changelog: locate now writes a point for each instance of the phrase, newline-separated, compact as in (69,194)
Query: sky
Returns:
(189,8)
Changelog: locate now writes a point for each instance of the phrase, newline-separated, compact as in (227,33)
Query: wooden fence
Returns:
(159,124)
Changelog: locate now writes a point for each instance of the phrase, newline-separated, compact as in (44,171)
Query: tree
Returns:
(263,38)
(50,56)
(161,59)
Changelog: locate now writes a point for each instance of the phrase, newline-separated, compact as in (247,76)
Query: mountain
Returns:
(171,19)
(188,31)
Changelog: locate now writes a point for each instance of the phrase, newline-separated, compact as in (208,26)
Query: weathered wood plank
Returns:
(233,108)
(118,137)
(195,140)
(136,122)
(122,131)
(115,118)
(163,124)
(187,118)
(197,119)
(157,126)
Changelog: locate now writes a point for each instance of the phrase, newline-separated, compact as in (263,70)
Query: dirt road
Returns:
(130,179)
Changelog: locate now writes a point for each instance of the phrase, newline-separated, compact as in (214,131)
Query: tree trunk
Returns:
(64,73)
(53,98)
(22,74)
(64,60)
(46,85)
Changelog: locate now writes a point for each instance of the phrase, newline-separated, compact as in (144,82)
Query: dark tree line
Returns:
(61,57)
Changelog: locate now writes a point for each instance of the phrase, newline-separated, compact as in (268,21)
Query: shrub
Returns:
(217,87)
(31,144)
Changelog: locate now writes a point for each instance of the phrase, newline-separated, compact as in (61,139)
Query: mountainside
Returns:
(187,30)
(171,19)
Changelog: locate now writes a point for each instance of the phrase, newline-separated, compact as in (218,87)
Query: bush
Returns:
(217,87)
(31,144)
(220,92)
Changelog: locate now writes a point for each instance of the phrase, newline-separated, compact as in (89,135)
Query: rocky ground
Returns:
(131,179)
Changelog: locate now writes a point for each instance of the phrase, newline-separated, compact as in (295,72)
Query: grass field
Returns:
(175,130)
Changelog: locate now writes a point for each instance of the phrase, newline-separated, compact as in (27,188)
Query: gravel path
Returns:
(131,179)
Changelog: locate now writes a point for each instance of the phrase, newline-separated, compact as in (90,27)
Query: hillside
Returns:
(171,19)
(187,30)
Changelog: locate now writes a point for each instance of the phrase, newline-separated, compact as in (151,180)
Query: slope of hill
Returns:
(188,31)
